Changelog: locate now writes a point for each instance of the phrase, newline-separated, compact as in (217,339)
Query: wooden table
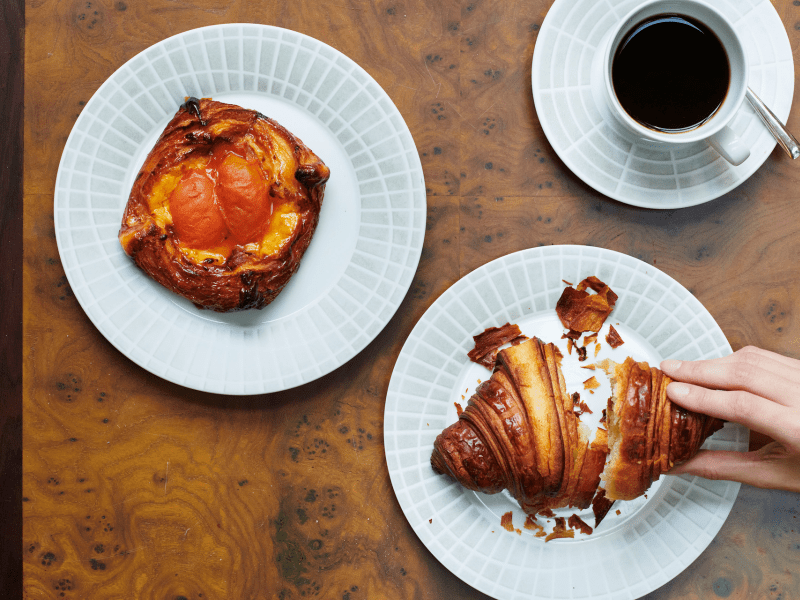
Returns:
(138,488)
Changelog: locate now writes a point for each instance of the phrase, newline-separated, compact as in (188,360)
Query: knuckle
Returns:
(751,355)
(745,374)
(699,396)
(749,351)
(690,370)
(699,399)
(704,466)
(709,471)
(738,406)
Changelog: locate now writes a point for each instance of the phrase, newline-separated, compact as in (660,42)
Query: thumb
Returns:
(769,467)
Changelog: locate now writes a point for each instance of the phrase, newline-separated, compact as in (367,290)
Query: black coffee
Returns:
(670,73)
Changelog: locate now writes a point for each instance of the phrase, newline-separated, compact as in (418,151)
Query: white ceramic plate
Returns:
(630,554)
(360,262)
(597,152)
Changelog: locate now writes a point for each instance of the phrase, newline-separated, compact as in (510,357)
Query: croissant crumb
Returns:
(613,337)
(560,530)
(575,522)
(600,506)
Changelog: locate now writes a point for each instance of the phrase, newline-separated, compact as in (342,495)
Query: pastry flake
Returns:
(489,342)
(580,311)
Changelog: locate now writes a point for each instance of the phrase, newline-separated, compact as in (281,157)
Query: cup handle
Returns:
(729,146)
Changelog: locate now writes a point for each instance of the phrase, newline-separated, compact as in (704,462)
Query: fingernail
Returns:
(677,390)
(670,365)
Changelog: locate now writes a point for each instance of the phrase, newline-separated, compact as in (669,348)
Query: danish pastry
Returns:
(224,207)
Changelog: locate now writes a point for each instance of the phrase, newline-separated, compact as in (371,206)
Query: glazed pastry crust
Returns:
(230,276)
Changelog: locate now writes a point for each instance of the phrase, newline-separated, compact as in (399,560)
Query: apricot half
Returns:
(243,198)
(197,220)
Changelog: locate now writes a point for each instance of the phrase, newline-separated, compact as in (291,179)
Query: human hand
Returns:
(754,387)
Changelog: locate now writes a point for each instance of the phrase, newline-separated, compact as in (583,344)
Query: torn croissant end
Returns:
(647,432)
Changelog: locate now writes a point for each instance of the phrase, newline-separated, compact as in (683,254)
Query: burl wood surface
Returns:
(138,488)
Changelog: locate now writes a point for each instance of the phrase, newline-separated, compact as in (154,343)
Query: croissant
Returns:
(647,433)
(520,432)
(224,206)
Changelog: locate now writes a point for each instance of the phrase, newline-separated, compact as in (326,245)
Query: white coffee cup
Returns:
(715,130)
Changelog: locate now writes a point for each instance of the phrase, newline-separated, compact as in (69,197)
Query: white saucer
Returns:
(597,152)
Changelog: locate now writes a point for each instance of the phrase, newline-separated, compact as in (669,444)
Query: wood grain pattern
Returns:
(138,488)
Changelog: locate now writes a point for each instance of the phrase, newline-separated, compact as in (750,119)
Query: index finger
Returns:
(748,372)
(754,412)
(779,364)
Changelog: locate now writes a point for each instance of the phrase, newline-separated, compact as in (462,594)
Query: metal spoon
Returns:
(785,139)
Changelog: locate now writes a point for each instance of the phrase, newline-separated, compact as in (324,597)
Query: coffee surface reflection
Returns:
(670,73)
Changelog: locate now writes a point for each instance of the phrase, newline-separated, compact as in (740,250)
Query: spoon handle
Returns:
(785,139)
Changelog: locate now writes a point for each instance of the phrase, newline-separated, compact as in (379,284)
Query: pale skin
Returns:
(756,388)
